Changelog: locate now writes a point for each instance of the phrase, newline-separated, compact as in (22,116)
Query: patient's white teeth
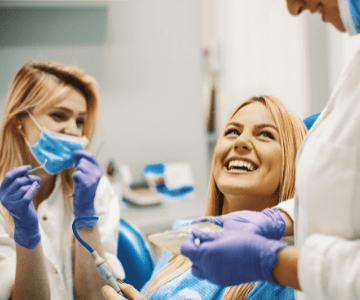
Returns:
(240,164)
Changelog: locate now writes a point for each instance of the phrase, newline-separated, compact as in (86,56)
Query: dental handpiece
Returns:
(99,262)
(105,272)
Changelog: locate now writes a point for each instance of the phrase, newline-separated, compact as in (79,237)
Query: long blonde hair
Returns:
(292,131)
(35,86)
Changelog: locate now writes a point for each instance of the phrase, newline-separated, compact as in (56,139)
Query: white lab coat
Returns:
(56,240)
(327,199)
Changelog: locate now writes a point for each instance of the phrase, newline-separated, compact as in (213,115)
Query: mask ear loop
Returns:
(32,118)
(36,123)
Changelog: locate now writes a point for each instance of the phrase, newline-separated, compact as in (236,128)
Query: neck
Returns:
(47,184)
(248,202)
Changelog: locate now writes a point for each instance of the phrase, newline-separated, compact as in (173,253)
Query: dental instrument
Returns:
(99,262)
(33,170)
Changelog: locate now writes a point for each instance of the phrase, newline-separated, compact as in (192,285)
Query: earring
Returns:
(20,126)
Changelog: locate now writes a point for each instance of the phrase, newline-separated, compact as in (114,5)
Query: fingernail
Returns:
(119,281)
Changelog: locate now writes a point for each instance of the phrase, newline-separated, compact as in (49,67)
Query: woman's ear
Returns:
(18,123)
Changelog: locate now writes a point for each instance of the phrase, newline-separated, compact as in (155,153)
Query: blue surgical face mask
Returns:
(57,148)
(350,15)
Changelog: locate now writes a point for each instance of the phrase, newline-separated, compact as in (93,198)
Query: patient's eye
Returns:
(267,134)
(232,131)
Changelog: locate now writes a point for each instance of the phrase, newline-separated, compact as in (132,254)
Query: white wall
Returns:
(264,50)
(146,56)
(261,52)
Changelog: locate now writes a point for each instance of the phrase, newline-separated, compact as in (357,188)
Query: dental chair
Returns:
(135,255)
(309,121)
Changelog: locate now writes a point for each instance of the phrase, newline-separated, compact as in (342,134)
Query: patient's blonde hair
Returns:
(292,131)
(38,85)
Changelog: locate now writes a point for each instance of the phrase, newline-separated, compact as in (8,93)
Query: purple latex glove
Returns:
(86,179)
(231,258)
(268,223)
(16,194)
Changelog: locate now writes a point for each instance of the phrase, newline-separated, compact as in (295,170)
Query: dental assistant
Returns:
(325,261)
(50,116)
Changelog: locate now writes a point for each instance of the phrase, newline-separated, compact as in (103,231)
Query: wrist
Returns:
(91,223)
(269,257)
(27,237)
(84,212)
(285,270)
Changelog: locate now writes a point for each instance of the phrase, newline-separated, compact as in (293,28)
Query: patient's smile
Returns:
(240,166)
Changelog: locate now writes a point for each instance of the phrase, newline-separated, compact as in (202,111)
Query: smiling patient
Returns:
(253,169)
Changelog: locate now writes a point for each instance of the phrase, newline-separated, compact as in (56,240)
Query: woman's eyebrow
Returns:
(235,124)
(261,126)
(69,111)
(258,126)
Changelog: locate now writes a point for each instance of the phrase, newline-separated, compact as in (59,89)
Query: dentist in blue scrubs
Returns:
(325,212)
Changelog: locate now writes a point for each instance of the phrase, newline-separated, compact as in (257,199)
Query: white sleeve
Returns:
(108,209)
(288,207)
(7,261)
(329,268)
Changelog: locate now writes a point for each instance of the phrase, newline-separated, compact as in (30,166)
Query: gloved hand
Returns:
(86,179)
(230,257)
(16,194)
(267,223)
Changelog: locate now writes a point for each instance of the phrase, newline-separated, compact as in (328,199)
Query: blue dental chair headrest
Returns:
(134,254)
(309,121)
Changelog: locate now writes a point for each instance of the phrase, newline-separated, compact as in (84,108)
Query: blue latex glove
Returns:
(16,194)
(268,223)
(86,179)
(231,258)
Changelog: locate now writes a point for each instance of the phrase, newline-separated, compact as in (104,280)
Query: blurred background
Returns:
(170,73)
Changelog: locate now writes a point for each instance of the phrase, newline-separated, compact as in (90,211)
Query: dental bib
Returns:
(350,15)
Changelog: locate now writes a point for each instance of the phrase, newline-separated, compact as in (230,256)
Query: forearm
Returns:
(285,270)
(31,279)
(87,280)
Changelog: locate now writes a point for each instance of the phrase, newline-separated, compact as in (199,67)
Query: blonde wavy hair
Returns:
(292,132)
(38,85)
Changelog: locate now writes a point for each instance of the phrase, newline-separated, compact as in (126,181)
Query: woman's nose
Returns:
(243,144)
(71,128)
(295,7)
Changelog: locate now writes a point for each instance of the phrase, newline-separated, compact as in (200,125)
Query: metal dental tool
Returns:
(33,170)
